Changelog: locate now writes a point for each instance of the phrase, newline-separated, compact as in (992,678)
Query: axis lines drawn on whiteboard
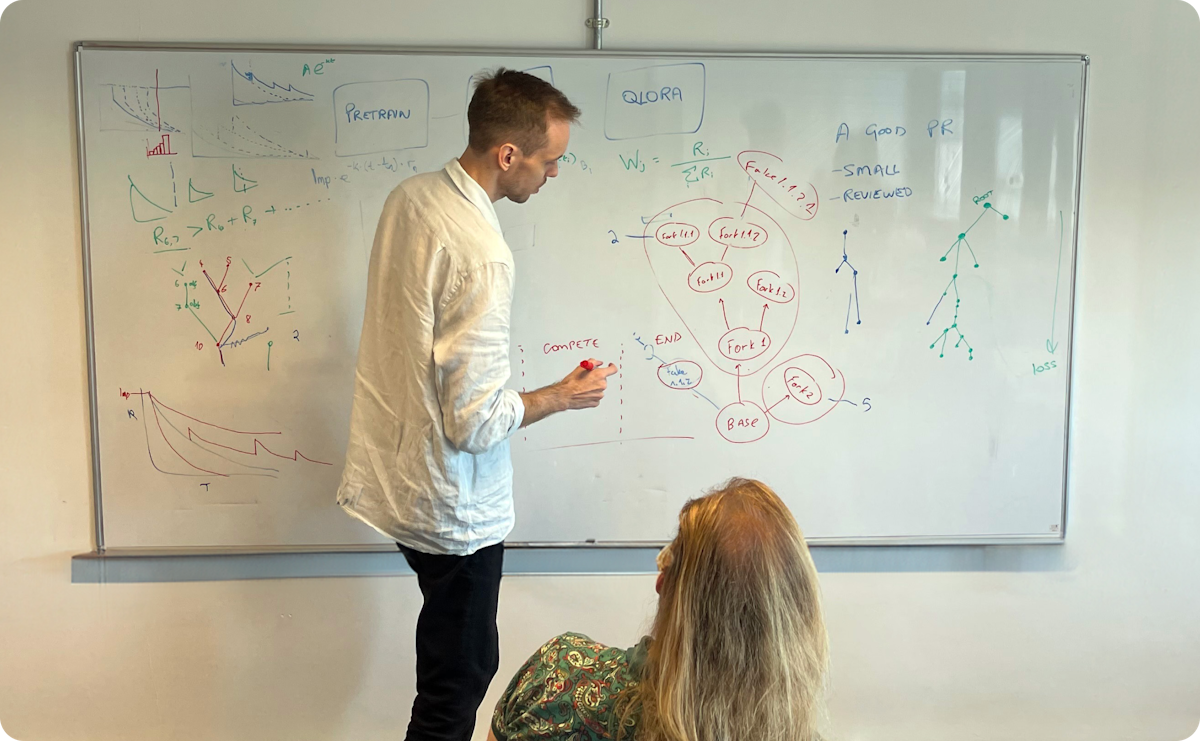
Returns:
(162,148)
(241,183)
(195,195)
(237,139)
(126,107)
(133,108)
(730,272)
(853,298)
(189,446)
(248,89)
(143,209)
(957,248)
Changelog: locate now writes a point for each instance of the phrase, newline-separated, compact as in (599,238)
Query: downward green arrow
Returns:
(1051,345)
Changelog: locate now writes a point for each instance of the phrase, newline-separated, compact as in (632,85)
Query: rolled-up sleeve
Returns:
(470,354)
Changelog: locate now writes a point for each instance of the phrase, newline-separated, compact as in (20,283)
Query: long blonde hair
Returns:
(739,650)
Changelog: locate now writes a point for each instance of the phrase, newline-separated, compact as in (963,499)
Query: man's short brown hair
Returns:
(512,106)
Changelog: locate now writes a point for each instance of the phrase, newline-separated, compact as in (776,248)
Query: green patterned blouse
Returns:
(568,690)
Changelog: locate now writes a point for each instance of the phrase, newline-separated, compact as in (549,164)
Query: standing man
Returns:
(428,459)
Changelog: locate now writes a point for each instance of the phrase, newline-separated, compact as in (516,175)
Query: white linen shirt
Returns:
(427,462)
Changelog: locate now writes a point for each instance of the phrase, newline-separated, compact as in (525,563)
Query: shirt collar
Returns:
(474,193)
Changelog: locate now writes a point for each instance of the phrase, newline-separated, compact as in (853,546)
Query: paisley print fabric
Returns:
(569,690)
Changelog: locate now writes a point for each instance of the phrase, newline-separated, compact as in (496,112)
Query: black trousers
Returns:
(458,645)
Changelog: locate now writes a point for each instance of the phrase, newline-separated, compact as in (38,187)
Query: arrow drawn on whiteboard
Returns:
(1051,345)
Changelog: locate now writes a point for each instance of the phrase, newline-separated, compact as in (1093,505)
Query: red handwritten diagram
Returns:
(803,389)
(180,444)
(739,325)
(731,274)
(234,310)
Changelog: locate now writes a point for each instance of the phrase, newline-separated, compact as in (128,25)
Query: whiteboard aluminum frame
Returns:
(977,540)
(88,318)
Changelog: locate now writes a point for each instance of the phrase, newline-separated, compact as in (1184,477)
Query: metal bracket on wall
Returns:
(598,24)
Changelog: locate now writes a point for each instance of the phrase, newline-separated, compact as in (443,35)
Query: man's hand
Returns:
(581,389)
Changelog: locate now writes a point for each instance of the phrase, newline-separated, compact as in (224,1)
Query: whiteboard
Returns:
(849,277)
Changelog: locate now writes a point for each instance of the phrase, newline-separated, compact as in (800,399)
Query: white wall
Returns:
(1100,640)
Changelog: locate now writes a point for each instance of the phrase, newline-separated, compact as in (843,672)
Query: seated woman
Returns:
(737,651)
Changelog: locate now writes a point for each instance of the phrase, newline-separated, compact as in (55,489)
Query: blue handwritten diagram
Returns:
(385,116)
(249,89)
(140,107)
(653,101)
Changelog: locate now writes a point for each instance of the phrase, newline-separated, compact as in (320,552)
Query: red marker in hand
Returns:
(587,365)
